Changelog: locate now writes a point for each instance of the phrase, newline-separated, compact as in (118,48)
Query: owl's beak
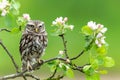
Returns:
(36,29)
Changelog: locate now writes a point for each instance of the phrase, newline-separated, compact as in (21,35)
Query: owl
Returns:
(32,44)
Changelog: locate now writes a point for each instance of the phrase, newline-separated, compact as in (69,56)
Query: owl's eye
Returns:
(40,26)
(30,25)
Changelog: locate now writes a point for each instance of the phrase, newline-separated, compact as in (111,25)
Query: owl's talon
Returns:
(29,67)
(39,61)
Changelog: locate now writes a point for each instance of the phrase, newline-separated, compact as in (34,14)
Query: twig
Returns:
(53,73)
(24,77)
(78,55)
(89,46)
(4,30)
(64,43)
(11,76)
(11,57)
(52,59)
(32,76)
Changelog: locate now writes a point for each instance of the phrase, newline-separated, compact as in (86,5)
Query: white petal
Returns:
(4,12)
(61,52)
(92,25)
(103,40)
(71,27)
(100,26)
(99,45)
(99,35)
(103,30)
(96,41)
(65,19)
(54,23)
(26,17)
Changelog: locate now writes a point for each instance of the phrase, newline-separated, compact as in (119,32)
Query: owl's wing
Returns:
(24,43)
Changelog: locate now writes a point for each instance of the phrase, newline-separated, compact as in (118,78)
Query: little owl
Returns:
(33,43)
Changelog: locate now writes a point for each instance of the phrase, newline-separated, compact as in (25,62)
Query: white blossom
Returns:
(100,26)
(60,20)
(3,4)
(71,27)
(103,40)
(60,65)
(103,30)
(54,23)
(26,17)
(92,25)
(98,43)
(61,52)
(65,19)
(99,35)
(4,12)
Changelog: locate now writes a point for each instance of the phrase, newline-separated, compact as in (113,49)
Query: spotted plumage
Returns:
(33,43)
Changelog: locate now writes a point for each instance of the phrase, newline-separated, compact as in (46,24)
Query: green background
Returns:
(79,12)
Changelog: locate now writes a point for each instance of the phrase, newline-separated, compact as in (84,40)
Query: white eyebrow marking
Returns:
(30,23)
(42,23)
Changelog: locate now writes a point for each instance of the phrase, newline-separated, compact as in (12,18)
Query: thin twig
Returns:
(53,73)
(78,55)
(52,59)
(4,30)
(24,77)
(11,57)
(65,47)
(32,76)
(89,46)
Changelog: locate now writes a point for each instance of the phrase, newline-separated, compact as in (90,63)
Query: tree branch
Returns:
(4,30)
(11,57)
(53,74)
(65,46)
(32,76)
(78,55)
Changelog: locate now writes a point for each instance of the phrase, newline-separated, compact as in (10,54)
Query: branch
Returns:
(11,57)
(35,66)
(86,49)
(11,76)
(78,55)
(4,30)
(64,43)
(32,76)
(53,74)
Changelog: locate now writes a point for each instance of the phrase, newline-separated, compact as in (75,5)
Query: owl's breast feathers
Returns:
(31,44)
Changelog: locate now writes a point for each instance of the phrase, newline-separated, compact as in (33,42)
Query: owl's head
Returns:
(35,26)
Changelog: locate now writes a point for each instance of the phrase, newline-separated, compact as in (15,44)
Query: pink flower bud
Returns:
(26,17)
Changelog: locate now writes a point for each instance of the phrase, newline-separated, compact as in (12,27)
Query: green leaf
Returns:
(109,62)
(15,30)
(103,72)
(51,63)
(52,69)
(87,31)
(100,60)
(86,68)
(69,73)
(102,50)
(93,77)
